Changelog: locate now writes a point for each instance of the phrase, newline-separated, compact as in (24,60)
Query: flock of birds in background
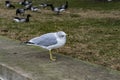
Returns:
(28,5)
(48,41)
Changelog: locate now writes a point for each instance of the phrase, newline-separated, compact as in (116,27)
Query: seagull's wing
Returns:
(44,40)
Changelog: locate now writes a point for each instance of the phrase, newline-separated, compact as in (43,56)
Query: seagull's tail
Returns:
(26,43)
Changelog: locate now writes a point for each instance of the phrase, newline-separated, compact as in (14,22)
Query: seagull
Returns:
(18,19)
(49,41)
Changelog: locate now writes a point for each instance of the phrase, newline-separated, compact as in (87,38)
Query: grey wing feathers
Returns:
(45,40)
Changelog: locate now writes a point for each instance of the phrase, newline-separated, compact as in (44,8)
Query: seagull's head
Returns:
(61,34)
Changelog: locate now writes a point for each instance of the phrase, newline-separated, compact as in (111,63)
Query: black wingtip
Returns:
(27,42)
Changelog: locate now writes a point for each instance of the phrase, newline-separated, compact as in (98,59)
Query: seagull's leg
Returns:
(51,57)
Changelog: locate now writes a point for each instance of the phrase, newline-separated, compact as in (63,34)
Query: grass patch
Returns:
(89,38)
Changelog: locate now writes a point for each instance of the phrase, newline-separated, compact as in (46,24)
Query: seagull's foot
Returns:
(53,59)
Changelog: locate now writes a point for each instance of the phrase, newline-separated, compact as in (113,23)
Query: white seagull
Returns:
(49,41)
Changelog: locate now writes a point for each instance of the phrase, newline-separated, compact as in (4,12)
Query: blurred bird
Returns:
(8,4)
(44,5)
(18,19)
(56,9)
(20,11)
(34,8)
(65,6)
(25,2)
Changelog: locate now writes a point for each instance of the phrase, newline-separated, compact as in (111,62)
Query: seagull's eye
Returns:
(62,35)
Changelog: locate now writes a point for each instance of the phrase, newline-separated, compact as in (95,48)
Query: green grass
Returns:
(93,39)
(89,4)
